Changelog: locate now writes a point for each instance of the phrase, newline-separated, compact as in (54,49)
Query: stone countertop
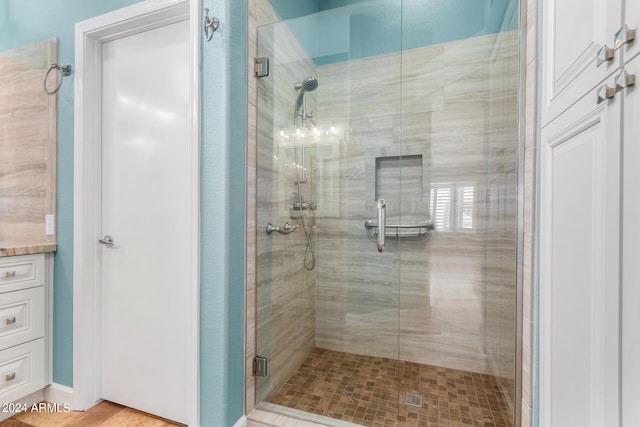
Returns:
(25,248)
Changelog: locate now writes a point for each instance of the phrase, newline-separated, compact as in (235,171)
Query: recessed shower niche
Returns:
(433,314)
(399,174)
(405,169)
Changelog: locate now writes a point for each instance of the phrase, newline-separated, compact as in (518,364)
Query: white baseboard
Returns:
(242,422)
(58,393)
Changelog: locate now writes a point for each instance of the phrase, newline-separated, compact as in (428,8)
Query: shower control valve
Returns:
(285,229)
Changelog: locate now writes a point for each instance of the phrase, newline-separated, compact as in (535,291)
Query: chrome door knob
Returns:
(106,240)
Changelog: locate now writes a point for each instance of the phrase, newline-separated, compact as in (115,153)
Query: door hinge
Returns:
(259,366)
(261,66)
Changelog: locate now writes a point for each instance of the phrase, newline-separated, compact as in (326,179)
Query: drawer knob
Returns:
(604,54)
(10,377)
(605,92)
(10,274)
(624,80)
(10,320)
(623,36)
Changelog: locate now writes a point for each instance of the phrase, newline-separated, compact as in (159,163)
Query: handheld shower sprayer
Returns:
(307,85)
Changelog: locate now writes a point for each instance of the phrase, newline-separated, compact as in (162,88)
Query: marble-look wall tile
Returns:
(250,348)
(501,216)
(264,418)
(28,138)
(529,255)
(285,291)
(260,12)
(375,124)
(251,231)
(531,48)
(443,295)
(531,110)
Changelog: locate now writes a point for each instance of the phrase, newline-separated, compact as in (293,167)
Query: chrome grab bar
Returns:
(285,229)
(382,221)
(396,230)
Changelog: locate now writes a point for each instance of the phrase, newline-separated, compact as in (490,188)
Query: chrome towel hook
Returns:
(62,72)
(210,25)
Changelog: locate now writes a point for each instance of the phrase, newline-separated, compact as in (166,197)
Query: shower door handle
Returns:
(382,222)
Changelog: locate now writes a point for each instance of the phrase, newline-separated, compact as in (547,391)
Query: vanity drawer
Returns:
(21,272)
(22,370)
(21,316)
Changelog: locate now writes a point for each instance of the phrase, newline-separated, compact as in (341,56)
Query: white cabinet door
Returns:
(632,19)
(579,266)
(574,31)
(631,254)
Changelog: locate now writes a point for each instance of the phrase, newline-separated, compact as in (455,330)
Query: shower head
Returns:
(307,85)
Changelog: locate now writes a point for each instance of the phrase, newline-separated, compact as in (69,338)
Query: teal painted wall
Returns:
(288,9)
(223,184)
(352,29)
(237,185)
(222,190)
(21,23)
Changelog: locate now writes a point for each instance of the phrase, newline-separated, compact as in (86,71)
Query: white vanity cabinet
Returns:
(630,349)
(576,34)
(25,336)
(589,205)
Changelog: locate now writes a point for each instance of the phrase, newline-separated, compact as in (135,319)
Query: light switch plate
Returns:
(50,225)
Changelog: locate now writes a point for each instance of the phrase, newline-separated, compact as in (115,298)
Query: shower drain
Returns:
(413,400)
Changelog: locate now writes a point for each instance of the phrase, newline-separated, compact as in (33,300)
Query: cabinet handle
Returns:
(604,54)
(10,377)
(623,36)
(605,92)
(10,320)
(9,274)
(624,80)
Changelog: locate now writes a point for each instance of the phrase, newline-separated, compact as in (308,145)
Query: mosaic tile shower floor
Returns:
(371,391)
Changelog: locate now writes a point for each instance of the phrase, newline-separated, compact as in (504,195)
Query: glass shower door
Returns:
(387,101)
(329,148)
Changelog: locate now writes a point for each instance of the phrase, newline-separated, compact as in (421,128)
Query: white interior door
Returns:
(145,205)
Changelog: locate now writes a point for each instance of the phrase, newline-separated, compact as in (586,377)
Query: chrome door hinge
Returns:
(261,66)
(259,366)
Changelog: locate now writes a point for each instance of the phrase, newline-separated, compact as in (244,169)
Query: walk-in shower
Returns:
(402,114)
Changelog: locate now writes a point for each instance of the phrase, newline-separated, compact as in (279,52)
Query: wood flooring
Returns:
(104,414)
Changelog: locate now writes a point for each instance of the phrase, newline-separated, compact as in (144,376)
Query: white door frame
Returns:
(89,37)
